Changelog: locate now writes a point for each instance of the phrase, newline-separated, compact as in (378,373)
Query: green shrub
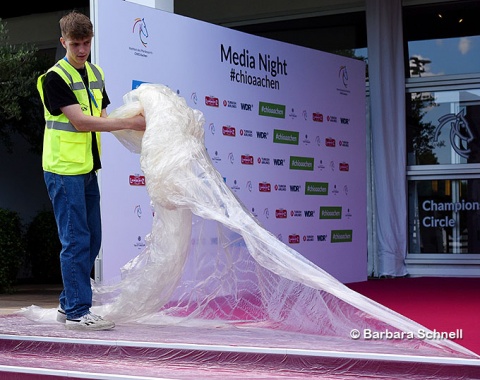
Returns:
(43,249)
(12,253)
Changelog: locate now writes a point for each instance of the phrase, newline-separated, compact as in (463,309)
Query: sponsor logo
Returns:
(343,167)
(262,135)
(343,75)
(139,244)
(308,238)
(296,213)
(140,25)
(137,83)
(320,165)
(263,160)
(335,190)
(227,130)
(295,188)
(343,143)
(246,133)
(306,140)
(136,180)
(348,214)
(211,101)
(280,187)
(330,212)
(341,236)
(281,214)
(271,110)
(264,187)
(292,114)
(330,142)
(294,239)
(332,119)
(344,120)
(309,213)
(230,104)
(321,237)
(211,128)
(246,107)
(246,159)
(285,137)
(278,162)
(301,163)
(235,186)
(231,157)
(194,97)
(138,211)
(266,213)
(318,117)
(216,157)
(249,186)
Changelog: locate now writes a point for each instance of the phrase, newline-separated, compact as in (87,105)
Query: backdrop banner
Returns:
(284,125)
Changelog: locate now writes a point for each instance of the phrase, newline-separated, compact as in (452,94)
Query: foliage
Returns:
(419,133)
(20,107)
(12,253)
(43,249)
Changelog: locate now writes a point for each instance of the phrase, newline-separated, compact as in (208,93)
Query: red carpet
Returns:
(441,303)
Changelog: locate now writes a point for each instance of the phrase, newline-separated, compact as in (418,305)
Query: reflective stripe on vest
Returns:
(59,126)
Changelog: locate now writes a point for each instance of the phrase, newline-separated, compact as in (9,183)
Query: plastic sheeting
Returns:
(248,279)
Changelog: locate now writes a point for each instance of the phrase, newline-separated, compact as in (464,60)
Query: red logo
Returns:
(211,101)
(246,159)
(343,167)
(281,214)
(136,180)
(294,239)
(318,117)
(264,187)
(228,131)
(330,142)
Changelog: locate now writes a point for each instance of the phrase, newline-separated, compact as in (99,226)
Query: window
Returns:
(442,38)
(444,216)
(442,42)
(443,127)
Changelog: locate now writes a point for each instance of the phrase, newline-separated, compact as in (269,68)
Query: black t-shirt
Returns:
(57,94)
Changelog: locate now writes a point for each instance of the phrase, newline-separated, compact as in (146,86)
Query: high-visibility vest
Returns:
(66,150)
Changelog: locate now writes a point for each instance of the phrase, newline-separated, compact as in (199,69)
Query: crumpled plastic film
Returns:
(249,278)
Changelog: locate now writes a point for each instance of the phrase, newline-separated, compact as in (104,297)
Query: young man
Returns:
(74,98)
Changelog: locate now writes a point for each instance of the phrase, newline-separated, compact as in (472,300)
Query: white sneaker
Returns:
(61,315)
(89,321)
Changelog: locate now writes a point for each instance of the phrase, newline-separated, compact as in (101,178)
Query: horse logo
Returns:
(460,133)
(343,74)
(142,30)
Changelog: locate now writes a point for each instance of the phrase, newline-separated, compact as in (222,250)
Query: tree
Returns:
(20,106)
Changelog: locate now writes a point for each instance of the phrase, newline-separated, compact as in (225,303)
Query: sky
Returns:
(449,55)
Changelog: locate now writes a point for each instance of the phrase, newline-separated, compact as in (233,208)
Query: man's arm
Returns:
(87,123)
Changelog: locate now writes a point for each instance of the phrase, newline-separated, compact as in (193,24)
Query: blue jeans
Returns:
(76,205)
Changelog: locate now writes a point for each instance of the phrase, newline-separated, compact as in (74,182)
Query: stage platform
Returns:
(31,350)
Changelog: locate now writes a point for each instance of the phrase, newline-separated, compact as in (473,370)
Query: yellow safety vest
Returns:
(66,150)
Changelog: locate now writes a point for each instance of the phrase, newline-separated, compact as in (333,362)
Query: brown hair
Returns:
(76,26)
